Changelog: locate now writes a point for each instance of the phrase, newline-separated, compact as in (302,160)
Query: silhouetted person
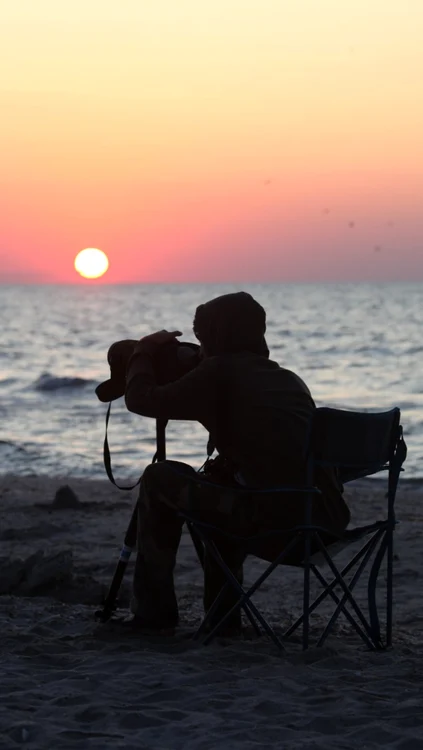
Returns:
(257,414)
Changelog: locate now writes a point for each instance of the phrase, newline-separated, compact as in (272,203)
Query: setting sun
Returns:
(91,263)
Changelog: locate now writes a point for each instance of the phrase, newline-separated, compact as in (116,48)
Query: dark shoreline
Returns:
(376,481)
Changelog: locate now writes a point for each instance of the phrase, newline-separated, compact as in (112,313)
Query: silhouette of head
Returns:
(231,323)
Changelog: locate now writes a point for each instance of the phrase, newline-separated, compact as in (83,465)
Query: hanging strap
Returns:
(159,455)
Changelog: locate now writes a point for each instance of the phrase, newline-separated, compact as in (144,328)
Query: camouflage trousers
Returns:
(166,488)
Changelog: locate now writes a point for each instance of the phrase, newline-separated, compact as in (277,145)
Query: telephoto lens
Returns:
(170,362)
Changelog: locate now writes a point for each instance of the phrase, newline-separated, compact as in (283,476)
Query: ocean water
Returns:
(357,346)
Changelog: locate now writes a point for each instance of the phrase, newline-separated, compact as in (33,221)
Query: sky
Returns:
(221,140)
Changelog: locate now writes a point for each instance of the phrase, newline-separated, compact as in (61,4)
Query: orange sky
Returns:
(228,140)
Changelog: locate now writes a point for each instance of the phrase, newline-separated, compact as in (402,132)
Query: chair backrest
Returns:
(354,440)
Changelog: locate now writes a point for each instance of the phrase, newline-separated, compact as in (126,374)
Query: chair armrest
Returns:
(198,479)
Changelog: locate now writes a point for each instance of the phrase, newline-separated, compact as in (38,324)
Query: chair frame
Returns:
(380,544)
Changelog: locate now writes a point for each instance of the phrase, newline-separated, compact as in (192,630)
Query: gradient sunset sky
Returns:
(212,140)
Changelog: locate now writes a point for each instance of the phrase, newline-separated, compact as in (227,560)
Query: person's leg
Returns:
(166,488)
(232,516)
(162,492)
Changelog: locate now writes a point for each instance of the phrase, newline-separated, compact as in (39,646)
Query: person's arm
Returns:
(191,397)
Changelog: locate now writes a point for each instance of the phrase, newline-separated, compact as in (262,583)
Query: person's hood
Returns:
(231,323)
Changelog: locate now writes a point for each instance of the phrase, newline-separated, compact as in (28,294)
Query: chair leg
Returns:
(211,547)
(245,596)
(371,593)
(249,614)
(266,627)
(334,617)
(211,611)
(246,605)
(213,550)
(367,637)
(330,586)
(389,585)
(348,595)
(197,542)
(306,589)
(243,602)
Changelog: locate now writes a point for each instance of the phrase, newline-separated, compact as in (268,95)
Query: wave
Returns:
(6,445)
(8,381)
(48,382)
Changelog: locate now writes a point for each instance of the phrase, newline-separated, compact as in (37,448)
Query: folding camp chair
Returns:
(358,445)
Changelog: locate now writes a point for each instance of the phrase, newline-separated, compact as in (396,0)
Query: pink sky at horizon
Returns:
(225,141)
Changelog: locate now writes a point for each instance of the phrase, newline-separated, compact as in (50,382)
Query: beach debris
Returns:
(39,573)
(46,571)
(65,497)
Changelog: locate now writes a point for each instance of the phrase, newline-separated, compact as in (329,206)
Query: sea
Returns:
(357,346)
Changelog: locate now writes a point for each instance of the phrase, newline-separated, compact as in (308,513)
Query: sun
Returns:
(91,263)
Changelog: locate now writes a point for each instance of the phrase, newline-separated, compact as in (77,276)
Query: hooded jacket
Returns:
(257,413)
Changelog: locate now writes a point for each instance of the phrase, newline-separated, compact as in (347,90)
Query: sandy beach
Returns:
(69,682)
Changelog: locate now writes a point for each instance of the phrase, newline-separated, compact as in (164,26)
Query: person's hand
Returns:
(153,340)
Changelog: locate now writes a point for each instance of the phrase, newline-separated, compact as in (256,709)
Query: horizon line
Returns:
(94,283)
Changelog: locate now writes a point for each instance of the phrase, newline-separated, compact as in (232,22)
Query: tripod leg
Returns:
(130,541)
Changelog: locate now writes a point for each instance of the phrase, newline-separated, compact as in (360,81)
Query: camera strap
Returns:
(159,455)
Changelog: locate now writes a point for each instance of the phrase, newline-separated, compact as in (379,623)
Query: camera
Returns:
(170,362)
